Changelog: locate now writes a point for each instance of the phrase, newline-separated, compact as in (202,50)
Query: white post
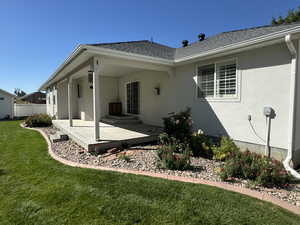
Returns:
(70,84)
(96,96)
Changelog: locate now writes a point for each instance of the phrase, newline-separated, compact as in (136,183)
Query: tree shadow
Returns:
(2,172)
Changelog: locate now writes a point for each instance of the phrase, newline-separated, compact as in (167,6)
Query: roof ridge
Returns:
(126,42)
(118,42)
(258,27)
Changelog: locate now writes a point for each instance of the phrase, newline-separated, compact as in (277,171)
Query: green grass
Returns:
(35,189)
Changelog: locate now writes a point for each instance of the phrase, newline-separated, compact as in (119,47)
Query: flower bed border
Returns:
(241,190)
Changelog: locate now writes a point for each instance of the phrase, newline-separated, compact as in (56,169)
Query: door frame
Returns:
(139,97)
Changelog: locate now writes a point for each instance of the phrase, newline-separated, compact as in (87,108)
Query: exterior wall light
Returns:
(157,89)
(90,78)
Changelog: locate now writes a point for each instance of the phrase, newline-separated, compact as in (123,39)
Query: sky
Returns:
(36,36)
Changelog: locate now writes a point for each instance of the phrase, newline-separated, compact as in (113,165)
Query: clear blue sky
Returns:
(37,35)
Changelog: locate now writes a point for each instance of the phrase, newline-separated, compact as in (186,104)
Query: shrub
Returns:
(39,120)
(124,157)
(174,156)
(262,170)
(179,125)
(227,146)
(201,145)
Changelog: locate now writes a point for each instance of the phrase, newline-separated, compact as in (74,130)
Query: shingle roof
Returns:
(143,47)
(153,49)
(231,37)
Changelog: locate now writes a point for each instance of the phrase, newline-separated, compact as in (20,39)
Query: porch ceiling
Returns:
(111,66)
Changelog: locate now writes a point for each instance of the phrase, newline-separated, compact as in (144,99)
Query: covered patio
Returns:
(110,136)
(80,92)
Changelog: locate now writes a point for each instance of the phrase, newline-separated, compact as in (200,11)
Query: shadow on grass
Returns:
(2,172)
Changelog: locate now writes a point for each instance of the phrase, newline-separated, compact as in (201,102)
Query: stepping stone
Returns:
(59,136)
(55,138)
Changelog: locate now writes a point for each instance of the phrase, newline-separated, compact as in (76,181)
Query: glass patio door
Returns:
(132,90)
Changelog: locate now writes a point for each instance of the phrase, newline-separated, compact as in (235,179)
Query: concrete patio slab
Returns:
(111,136)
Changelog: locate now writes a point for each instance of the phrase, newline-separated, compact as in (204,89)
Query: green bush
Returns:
(124,157)
(227,146)
(201,145)
(262,170)
(179,125)
(39,120)
(174,156)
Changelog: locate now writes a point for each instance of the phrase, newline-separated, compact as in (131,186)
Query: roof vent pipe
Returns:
(201,36)
(185,43)
(293,88)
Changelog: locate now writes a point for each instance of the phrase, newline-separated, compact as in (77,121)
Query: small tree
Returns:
(292,16)
(19,93)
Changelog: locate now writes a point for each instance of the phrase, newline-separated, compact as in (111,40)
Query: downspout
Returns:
(293,89)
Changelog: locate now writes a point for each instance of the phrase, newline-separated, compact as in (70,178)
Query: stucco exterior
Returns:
(6,105)
(263,76)
(263,80)
(153,107)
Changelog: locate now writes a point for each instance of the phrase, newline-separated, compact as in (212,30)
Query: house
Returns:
(241,83)
(34,98)
(6,105)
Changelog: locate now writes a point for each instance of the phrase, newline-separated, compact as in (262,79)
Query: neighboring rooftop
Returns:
(33,93)
(149,48)
(7,93)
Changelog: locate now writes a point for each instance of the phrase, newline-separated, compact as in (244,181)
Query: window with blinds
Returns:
(217,80)
(206,76)
(226,79)
(132,90)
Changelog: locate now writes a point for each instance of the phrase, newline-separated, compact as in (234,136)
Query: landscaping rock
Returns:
(143,158)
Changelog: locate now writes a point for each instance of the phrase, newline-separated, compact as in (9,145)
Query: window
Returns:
(1,98)
(217,80)
(206,76)
(54,100)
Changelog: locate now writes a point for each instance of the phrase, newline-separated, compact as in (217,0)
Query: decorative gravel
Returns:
(143,158)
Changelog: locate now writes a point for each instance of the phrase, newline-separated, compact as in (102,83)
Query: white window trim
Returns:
(235,98)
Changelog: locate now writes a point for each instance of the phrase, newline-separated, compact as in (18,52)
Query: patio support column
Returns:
(70,105)
(95,68)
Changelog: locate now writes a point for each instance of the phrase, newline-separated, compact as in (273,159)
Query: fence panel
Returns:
(21,110)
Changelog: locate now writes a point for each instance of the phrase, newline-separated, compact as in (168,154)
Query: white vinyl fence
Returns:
(21,110)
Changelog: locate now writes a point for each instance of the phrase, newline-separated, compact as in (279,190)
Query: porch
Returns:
(111,136)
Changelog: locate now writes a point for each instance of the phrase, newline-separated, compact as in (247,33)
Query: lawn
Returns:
(35,189)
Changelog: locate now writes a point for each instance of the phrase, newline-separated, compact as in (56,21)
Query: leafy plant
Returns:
(38,120)
(179,125)
(262,170)
(227,146)
(124,157)
(201,145)
(292,16)
(172,158)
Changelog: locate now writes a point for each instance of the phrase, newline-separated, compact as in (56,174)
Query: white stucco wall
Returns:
(264,81)
(62,100)
(51,108)
(108,93)
(6,105)
(153,107)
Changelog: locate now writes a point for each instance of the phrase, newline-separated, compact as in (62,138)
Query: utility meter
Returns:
(268,111)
